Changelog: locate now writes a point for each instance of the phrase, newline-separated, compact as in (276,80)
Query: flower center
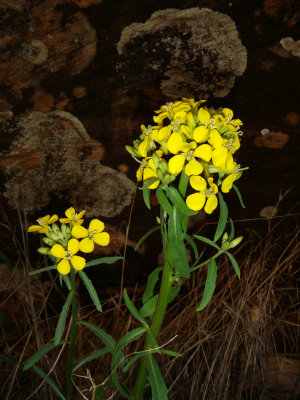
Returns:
(41,221)
(68,255)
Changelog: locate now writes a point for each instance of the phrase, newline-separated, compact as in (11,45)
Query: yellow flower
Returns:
(91,235)
(147,171)
(204,195)
(72,217)
(67,256)
(43,224)
(228,182)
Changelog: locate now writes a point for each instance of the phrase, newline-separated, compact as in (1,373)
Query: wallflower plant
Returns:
(188,159)
(63,245)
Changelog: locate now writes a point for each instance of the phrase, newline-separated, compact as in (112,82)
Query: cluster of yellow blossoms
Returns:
(64,240)
(199,140)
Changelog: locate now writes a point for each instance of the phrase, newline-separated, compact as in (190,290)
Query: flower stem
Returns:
(160,311)
(72,336)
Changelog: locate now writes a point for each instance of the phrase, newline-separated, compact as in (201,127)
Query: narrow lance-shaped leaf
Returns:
(103,260)
(48,380)
(90,357)
(151,282)
(157,383)
(222,219)
(143,238)
(146,197)
(234,264)
(163,201)
(131,307)
(176,245)
(90,288)
(178,201)
(62,318)
(40,353)
(209,285)
(208,241)
(239,195)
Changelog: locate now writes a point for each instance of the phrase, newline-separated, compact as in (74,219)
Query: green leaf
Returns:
(208,241)
(148,183)
(183,183)
(91,290)
(163,201)
(129,337)
(222,219)
(234,264)
(193,245)
(239,195)
(99,393)
(231,236)
(67,281)
(48,380)
(40,354)
(171,353)
(146,197)
(39,271)
(152,280)
(209,285)
(133,309)
(62,318)
(148,309)
(157,383)
(105,337)
(176,245)
(103,260)
(90,357)
(143,238)
(178,201)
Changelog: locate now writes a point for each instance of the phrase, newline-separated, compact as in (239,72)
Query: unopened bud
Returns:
(48,241)
(235,242)
(43,250)
(225,246)
(225,237)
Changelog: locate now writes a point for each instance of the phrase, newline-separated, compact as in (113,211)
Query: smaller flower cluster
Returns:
(198,140)
(71,237)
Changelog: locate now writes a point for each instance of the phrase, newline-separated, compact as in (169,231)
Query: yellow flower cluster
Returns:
(195,139)
(64,240)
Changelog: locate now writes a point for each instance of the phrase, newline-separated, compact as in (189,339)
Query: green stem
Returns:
(160,311)
(72,336)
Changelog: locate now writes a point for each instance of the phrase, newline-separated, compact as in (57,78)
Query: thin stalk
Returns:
(158,318)
(72,336)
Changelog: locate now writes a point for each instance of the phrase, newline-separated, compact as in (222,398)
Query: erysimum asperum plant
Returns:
(190,147)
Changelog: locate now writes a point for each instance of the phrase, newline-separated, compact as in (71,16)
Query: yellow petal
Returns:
(73,246)
(139,174)
(186,131)
(81,214)
(211,204)
(203,151)
(174,143)
(159,118)
(86,245)
(78,262)
(79,232)
(227,112)
(203,116)
(44,229)
(198,183)
(143,147)
(176,164)
(164,133)
(200,134)
(58,251)
(229,163)
(237,143)
(193,167)
(180,115)
(228,182)
(65,220)
(219,157)
(102,238)
(45,219)
(34,228)
(63,267)
(69,212)
(96,225)
(195,201)
(215,139)
(149,174)
(54,218)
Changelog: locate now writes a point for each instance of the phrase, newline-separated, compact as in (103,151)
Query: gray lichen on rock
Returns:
(192,52)
(36,52)
(52,155)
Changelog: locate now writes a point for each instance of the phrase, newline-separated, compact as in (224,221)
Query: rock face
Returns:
(193,52)
(52,154)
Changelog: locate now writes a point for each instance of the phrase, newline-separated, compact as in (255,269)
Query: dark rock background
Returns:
(74,89)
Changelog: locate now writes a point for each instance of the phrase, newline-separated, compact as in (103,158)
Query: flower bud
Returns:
(48,241)
(43,250)
(57,231)
(52,235)
(235,242)
(225,246)
(225,237)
